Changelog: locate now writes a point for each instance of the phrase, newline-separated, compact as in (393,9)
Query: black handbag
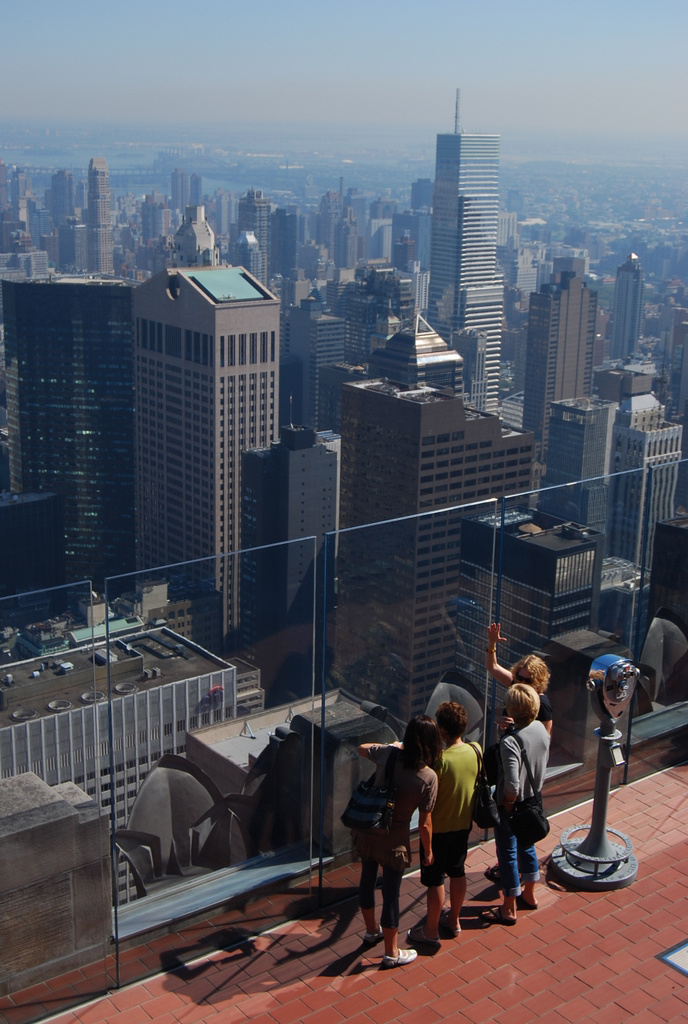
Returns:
(528,820)
(491,762)
(485,813)
(370,807)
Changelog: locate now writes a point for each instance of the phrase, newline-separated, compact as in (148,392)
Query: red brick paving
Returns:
(582,956)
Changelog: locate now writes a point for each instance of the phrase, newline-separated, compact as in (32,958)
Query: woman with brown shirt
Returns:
(415,785)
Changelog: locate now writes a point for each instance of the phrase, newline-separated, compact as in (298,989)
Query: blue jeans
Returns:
(514,858)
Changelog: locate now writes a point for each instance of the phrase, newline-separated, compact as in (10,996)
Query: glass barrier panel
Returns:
(212,713)
(55,881)
(657,730)
(561,600)
(404,631)
(575,582)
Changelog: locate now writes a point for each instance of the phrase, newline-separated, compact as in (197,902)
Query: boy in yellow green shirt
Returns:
(452,819)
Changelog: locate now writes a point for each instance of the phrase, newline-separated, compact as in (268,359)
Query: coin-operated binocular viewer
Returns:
(596,861)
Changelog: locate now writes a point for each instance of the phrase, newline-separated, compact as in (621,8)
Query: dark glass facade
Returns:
(70,397)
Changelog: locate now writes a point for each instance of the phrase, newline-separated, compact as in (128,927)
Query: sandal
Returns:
(417,935)
(494,914)
(444,923)
(524,904)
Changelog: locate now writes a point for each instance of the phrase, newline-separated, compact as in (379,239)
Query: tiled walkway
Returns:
(580,957)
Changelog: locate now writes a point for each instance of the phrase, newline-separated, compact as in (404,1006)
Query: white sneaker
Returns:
(405,956)
(370,938)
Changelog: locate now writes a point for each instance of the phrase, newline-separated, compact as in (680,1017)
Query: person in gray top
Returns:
(522,705)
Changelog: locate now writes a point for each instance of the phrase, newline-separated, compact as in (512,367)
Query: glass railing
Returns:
(202,719)
(56,918)
(571,573)
(212,718)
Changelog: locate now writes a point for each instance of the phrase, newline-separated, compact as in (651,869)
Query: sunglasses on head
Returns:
(523,679)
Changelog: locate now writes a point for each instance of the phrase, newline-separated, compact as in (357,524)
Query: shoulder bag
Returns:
(485,813)
(370,807)
(528,821)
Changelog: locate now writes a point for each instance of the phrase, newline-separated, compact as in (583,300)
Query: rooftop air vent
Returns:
(125,688)
(92,696)
(24,714)
(59,705)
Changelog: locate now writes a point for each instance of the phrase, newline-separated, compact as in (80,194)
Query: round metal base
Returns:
(591,873)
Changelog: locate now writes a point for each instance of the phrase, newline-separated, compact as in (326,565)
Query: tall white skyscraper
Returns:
(627,321)
(99,217)
(643,442)
(466,289)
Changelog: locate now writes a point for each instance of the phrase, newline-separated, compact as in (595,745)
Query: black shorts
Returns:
(449,850)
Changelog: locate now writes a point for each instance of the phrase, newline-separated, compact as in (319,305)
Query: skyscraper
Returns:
(627,319)
(31,541)
(466,289)
(409,450)
(346,241)
(194,242)
(377,292)
(196,190)
(330,212)
(207,350)
(4,193)
(254,216)
(99,218)
(72,240)
(179,189)
(62,197)
(550,575)
(580,441)
(288,493)
(316,339)
(416,355)
(645,444)
(70,400)
(248,254)
(668,580)
(283,240)
(421,194)
(561,335)
(472,347)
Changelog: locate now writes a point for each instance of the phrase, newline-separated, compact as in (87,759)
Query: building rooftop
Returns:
(74,678)
(226,284)
(421,393)
(543,530)
(25,498)
(639,403)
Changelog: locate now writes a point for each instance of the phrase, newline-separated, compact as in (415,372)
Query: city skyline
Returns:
(542,81)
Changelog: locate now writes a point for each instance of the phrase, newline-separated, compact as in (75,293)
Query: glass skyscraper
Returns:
(466,290)
(70,410)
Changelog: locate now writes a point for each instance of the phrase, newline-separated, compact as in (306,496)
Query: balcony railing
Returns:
(188,737)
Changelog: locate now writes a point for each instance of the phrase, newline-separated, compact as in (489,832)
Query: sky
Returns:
(601,70)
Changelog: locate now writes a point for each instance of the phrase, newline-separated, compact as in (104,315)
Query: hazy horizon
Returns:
(344,141)
(601,81)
